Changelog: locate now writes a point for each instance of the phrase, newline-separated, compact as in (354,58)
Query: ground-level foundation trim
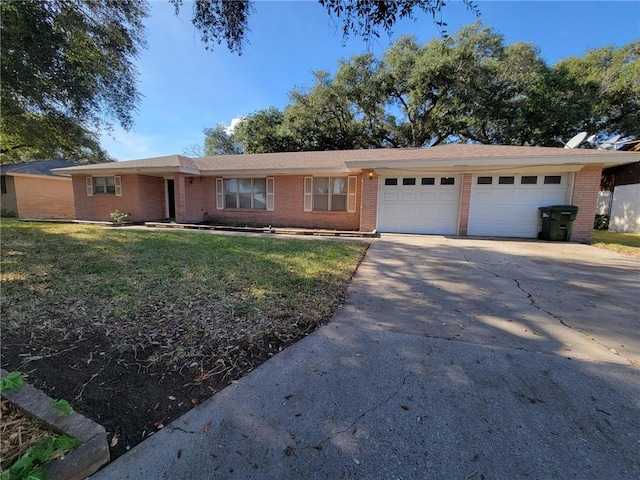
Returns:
(274,230)
(83,460)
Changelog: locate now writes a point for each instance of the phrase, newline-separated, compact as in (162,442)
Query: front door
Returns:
(171,200)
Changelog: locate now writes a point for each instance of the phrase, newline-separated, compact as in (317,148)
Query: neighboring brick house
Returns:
(448,190)
(620,197)
(31,190)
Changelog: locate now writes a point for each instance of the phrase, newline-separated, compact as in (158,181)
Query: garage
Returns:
(419,204)
(506,205)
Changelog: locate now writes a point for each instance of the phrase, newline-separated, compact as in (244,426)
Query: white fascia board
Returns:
(276,172)
(31,175)
(119,170)
(489,169)
(472,163)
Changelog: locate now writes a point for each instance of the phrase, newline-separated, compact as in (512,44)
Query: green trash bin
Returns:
(557,221)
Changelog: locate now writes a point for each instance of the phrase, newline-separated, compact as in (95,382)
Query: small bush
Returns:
(6,213)
(118,217)
(601,222)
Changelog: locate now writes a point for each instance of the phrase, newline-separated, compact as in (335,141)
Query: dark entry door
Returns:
(171,199)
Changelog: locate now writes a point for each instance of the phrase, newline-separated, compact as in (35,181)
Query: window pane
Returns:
(485,180)
(339,203)
(529,180)
(339,185)
(321,202)
(111,189)
(447,181)
(259,201)
(259,185)
(428,181)
(230,200)
(408,181)
(321,185)
(552,179)
(230,185)
(506,180)
(244,185)
(245,200)
(110,181)
(391,181)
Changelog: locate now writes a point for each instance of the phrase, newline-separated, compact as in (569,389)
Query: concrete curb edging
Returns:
(83,460)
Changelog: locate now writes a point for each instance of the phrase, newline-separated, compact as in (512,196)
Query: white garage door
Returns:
(507,205)
(419,204)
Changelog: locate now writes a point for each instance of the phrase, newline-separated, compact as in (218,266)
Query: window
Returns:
(485,180)
(428,181)
(506,180)
(529,180)
(408,181)
(552,179)
(391,181)
(447,181)
(245,193)
(3,184)
(103,186)
(330,194)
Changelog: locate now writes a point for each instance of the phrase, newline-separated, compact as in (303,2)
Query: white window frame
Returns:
(269,194)
(352,185)
(90,183)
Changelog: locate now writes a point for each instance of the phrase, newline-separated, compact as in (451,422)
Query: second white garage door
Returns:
(419,204)
(507,205)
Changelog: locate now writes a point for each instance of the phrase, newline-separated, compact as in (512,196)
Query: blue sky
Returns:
(186,88)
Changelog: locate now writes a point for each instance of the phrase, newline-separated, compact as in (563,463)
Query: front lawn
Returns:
(625,243)
(135,327)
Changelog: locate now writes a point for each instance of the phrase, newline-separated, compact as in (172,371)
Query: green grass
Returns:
(625,243)
(178,297)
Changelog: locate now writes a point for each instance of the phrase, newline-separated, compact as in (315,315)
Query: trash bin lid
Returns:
(564,208)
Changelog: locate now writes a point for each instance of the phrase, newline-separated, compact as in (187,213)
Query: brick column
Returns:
(465,201)
(585,196)
(180,197)
(369,201)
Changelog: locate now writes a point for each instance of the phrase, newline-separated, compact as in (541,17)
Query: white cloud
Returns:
(234,123)
(124,145)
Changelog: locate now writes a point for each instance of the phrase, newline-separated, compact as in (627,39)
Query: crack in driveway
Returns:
(533,303)
(368,410)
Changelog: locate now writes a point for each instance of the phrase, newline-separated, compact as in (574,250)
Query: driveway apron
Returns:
(451,358)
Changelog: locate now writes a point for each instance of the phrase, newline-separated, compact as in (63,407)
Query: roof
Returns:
(346,161)
(36,168)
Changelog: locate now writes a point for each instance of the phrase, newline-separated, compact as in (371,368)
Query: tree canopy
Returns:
(470,87)
(68,66)
(67,69)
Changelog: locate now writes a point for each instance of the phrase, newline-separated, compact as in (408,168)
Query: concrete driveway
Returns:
(452,358)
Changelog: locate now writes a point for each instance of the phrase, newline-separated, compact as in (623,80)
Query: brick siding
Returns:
(369,202)
(142,198)
(288,209)
(44,197)
(465,202)
(585,196)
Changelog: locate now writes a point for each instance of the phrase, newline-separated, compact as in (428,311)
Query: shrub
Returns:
(601,222)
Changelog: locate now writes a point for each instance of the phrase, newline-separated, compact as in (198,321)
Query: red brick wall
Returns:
(151,197)
(465,202)
(44,197)
(585,196)
(201,198)
(369,202)
(142,198)
(288,209)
